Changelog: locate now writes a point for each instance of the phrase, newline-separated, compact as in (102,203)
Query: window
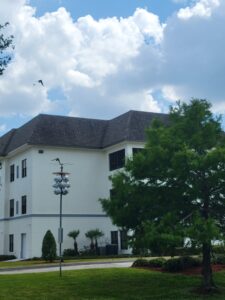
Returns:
(17,172)
(137,150)
(24,168)
(12,173)
(11,207)
(24,205)
(11,243)
(116,160)
(123,240)
(17,207)
(114,237)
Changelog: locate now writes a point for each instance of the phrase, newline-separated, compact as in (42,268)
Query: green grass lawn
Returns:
(102,284)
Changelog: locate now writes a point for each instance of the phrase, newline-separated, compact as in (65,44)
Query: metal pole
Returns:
(60,236)
(60,192)
(60,228)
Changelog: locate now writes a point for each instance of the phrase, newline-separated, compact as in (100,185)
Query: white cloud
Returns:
(194,57)
(203,8)
(108,66)
(149,24)
(3,128)
(171,93)
(75,56)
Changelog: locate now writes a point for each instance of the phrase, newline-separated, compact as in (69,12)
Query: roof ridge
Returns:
(72,117)
(104,134)
(12,133)
(131,112)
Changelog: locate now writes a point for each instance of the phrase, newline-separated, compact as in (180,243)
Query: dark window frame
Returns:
(11,243)
(12,173)
(17,207)
(17,172)
(24,205)
(11,207)
(24,168)
(123,240)
(114,237)
(117,160)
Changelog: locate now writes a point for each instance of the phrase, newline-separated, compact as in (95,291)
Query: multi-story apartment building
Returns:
(90,150)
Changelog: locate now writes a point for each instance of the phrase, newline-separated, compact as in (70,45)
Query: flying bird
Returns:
(39,81)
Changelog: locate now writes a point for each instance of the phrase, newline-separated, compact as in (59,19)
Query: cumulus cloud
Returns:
(202,8)
(108,66)
(194,57)
(79,57)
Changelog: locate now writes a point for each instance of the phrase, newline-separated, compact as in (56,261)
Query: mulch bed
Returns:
(197,270)
(190,271)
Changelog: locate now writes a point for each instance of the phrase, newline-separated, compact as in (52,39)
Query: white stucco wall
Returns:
(88,179)
(89,171)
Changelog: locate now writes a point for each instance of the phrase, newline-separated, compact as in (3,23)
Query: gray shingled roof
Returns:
(49,130)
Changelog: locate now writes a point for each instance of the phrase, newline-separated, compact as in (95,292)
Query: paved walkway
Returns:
(66,267)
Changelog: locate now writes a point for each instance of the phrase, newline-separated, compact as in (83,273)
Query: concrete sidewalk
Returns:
(66,267)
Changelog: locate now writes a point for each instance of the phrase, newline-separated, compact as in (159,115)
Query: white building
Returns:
(91,150)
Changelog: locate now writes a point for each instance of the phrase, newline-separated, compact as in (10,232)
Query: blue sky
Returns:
(103,8)
(101,58)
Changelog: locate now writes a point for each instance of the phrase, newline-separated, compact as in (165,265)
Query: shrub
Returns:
(7,257)
(218,249)
(181,263)
(69,252)
(219,260)
(49,247)
(140,263)
(189,262)
(156,262)
(173,265)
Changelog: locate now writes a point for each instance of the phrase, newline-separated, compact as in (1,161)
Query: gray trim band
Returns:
(54,215)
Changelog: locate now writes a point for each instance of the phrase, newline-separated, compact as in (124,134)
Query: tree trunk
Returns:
(96,247)
(208,283)
(75,248)
(92,246)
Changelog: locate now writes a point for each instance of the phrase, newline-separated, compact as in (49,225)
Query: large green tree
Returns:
(176,184)
(5,44)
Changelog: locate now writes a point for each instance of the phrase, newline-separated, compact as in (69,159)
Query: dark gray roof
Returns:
(49,130)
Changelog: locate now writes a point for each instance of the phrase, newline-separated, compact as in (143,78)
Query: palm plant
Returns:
(74,234)
(98,234)
(94,235)
(91,235)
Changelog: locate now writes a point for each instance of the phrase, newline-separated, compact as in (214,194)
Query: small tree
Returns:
(98,234)
(91,235)
(74,234)
(49,247)
(94,235)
